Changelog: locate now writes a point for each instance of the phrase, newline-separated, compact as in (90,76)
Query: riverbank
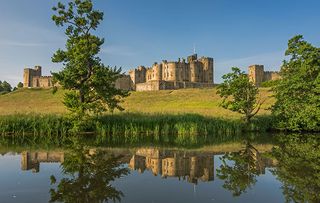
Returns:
(133,128)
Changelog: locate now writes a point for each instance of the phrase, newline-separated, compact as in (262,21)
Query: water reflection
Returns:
(299,167)
(239,170)
(169,163)
(92,174)
(31,160)
(89,176)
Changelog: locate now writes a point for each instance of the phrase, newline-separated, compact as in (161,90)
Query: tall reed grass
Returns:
(185,129)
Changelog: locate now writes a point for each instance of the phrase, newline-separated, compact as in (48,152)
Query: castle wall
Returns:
(169,85)
(29,74)
(208,69)
(256,74)
(45,82)
(196,71)
(174,75)
(171,71)
(271,75)
(124,83)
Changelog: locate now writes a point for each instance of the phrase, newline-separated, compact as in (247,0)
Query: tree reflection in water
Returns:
(89,176)
(298,167)
(240,169)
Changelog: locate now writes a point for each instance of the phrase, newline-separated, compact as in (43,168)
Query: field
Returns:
(197,101)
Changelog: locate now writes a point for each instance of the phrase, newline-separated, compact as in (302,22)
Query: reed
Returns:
(132,128)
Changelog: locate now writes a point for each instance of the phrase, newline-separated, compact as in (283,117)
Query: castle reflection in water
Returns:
(184,165)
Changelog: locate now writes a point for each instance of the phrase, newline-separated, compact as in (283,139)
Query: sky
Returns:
(141,32)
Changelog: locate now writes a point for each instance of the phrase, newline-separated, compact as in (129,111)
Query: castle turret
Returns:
(30,76)
(256,74)
(207,64)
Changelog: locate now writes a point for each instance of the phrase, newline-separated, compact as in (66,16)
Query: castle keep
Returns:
(174,75)
(257,75)
(32,77)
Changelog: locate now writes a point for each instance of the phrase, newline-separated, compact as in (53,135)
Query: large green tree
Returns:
(298,93)
(239,94)
(90,82)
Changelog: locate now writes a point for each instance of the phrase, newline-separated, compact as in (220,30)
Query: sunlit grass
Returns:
(196,101)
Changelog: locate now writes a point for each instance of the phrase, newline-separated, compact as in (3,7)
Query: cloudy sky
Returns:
(141,32)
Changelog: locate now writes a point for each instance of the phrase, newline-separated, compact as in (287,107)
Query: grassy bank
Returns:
(160,116)
(204,102)
(130,128)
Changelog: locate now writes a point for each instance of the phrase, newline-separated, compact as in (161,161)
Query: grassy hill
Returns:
(199,101)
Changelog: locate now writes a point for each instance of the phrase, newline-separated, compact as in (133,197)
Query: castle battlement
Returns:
(174,74)
(257,74)
(32,77)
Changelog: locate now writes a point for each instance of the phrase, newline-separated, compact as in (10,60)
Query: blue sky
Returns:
(141,32)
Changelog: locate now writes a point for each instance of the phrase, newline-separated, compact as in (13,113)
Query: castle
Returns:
(32,77)
(174,74)
(193,73)
(257,75)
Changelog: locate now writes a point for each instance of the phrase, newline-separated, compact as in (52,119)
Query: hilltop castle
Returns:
(167,75)
(174,75)
(257,74)
(32,77)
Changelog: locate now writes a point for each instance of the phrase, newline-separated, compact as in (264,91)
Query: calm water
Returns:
(285,169)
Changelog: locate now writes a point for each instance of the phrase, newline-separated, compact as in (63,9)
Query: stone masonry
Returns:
(174,74)
(32,77)
(257,74)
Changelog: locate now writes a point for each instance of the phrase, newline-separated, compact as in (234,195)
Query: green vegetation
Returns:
(183,130)
(298,168)
(298,93)
(90,83)
(270,83)
(5,87)
(88,176)
(239,94)
(204,102)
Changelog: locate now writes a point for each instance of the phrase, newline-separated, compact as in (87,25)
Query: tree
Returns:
(88,176)
(298,167)
(90,82)
(239,94)
(298,92)
(20,85)
(242,173)
(5,87)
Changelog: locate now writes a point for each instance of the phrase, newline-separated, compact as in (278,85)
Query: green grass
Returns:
(129,128)
(184,117)
(204,102)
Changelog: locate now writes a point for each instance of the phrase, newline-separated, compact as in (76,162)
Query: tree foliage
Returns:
(5,87)
(239,94)
(298,93)
(242,173)
(88,176)
(298,168)
(20,85)
(90,82)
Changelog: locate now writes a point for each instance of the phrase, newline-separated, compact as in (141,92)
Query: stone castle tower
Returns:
(32,77)
(257,74)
